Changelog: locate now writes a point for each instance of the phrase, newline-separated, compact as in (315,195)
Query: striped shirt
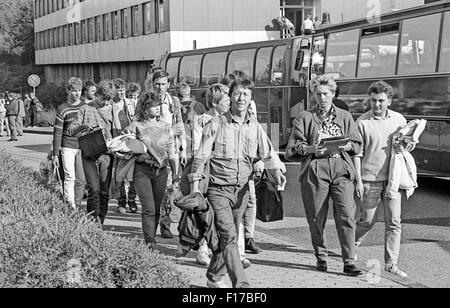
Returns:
(232,148)
(65,115)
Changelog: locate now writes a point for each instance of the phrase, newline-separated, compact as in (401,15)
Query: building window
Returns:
(136,20)
(117,27)
(241,60)
(444,65)
(124,22)
(56,37)
(377,55)
(213,67)
(107,26)
(66,35)
(342,50)
(99,20)
(161,19)
(262,68)
(85,31)
(148,10)
(92,30)
(61,37)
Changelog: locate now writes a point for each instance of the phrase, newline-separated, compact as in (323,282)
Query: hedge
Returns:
(44,244)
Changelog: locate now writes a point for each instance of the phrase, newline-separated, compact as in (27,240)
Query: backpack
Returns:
(269,201)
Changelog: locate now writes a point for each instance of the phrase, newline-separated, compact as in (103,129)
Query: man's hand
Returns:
(411,146)
(55,160)
(398,148)
(280,177)
(360,190)
(183,159)
(346,148)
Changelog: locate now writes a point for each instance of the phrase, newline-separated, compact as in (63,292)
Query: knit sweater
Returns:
(65,115)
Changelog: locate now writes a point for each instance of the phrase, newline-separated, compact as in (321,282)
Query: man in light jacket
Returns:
(376,128)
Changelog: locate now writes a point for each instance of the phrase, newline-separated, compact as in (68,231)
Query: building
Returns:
(116,38)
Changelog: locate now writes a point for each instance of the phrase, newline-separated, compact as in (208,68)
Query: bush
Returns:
(44,244)
(46,118)
(51,95)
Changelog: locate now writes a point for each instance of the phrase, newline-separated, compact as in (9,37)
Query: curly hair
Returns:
(147,101)
(215,93)
(119,83)
(74,83)
(133,87)
(379,87)
(106,89)
(323,80)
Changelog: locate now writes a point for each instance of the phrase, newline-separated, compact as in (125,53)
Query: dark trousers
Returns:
(13,126)
(33,116)
(150,183)
(229,204)
(98,177)
(325,178)
(122,200)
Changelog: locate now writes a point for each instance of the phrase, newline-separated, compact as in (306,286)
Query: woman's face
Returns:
(324,97)
(74,95)
(155,111)
(223,105)
(90,93)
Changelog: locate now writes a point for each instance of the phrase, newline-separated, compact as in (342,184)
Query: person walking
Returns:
(21,116)
(34,104)
(231,142)
(12,111)
(27,102)
(67,145)
(150,170)
(327,175)
(376,128)
(3,118)
(97,169)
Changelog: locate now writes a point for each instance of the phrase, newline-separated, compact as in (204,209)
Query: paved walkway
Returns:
(282,264)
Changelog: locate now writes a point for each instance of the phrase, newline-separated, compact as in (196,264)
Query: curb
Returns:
(40,132)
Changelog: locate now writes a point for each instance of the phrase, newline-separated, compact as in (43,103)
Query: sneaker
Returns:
(245,262)
(393,269)
(251,246)
(216,284)
(202,258)
(352,270)
(165,233)
(133,206)
(121,210)
(322,266)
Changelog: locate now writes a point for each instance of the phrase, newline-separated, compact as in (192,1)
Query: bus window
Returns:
(213,68)
(378,55)
(172,69)
(342,49)
(419,45)
(241,60)
(262,68)
(444,64)
(318,57)
(278,65)
(190,70)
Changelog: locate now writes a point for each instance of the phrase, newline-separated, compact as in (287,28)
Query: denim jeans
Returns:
(374,195)
(98,177)
(74,179)
(325,178)
(150,183)
(247,227)
(228,203)
(122,200)
(12,126)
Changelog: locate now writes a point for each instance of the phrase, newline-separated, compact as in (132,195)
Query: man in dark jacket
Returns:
(12,111)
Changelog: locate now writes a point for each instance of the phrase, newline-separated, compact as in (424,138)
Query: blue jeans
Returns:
(150,183)
(98,177)
(122,200)
(229,204)
(374,195)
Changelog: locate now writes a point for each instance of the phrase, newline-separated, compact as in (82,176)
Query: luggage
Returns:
(93,144)
(269,201)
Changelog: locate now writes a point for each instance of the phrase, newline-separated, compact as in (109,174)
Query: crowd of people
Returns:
(153,137)
(17,113)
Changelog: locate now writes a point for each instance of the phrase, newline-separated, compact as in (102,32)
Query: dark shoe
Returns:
(20,135)
(122,210)
(151,246)
(133,206)
(12,139)
(251,246)
(165,233)
(322,266)
(351,270)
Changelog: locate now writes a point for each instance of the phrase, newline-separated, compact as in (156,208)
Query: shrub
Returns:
(44,244)
(46,118)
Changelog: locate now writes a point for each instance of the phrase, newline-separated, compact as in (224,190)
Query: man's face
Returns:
(90,93)
(241,99)
(379,103)
(134,95)
(324,97)
(161,85)
(75,94)
(120,93)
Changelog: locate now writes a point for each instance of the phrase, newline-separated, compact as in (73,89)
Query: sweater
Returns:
(65,115)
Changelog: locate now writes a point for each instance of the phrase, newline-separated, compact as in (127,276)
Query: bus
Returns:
(409,49)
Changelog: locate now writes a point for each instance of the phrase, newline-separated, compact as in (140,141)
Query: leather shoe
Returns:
(322,266)
(352,270)
(251,246)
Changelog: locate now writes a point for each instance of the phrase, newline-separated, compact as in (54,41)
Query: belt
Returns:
(336,155)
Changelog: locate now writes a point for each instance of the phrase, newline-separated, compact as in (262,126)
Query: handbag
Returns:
(93,144)
(269,201)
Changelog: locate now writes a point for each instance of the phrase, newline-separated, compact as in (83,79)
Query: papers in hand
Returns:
(333,145)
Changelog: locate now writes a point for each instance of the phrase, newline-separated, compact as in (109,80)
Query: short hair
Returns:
(323,80)
(183,89)
(379,87)
(146,102)
(119,83)
(89,83)
(215,94)
(106,89)
(74,83)
(160,74)
(133,87)
(244,83)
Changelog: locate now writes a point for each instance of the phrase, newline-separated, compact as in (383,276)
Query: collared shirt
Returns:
(94,115)
(232,148)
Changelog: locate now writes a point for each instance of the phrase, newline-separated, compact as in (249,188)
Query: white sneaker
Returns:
(216,285)
(393,269)
(202,258)
(245,262)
